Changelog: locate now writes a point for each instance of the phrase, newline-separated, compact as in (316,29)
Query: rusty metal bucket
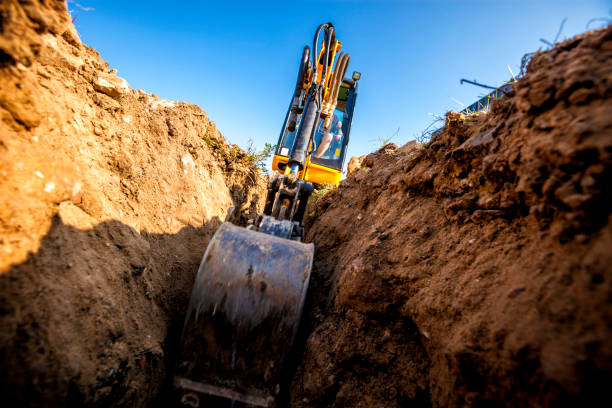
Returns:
(243,314)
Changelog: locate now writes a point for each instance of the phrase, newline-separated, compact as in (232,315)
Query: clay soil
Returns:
(108,198)
(474,270)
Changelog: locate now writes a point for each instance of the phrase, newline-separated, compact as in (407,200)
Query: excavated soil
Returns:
(108,198)
(474,270)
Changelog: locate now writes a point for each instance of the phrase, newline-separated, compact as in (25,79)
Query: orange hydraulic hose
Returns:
(339,73)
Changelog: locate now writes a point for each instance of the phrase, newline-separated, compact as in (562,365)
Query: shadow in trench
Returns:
(93,317)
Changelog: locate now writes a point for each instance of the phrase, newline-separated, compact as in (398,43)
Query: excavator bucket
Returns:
(243,315)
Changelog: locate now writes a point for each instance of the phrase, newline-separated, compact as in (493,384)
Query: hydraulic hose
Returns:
(334,79)
(313,106)
(315,53)
(338,77)
(330,38)
(341,72)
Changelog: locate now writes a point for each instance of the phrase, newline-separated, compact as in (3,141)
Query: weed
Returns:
(210,141)
(382,141)
(317,194)
(257,157)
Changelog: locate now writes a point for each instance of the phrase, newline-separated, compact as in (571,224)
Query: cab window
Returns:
(328,143)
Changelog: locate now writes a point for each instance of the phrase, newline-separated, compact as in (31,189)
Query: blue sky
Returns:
(238,60)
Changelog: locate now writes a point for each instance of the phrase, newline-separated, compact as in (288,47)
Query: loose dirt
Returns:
(108,198)
(474,270)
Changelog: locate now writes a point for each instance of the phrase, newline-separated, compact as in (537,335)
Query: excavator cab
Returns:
(250,289)
(326,162)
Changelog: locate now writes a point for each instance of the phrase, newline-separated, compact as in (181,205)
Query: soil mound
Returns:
(108,198)
(475,270)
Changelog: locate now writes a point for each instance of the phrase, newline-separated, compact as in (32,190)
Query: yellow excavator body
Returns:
(313,173)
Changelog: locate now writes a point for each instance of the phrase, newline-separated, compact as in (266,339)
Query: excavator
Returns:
(251,285)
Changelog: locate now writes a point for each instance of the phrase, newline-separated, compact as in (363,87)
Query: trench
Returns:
(472,270)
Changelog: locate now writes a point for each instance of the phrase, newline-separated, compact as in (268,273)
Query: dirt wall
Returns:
(474,270)
(108,197)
